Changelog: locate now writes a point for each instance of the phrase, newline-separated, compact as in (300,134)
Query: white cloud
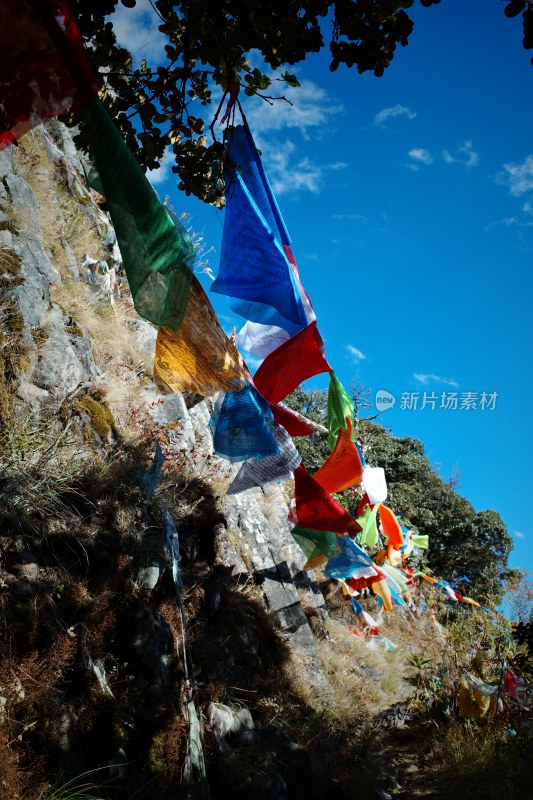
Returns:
(136,29)
(464,154)
(157,176)
(355,353)
(519,534)
(310,114)
(312,109)
(427,378)
(518,177)
(393,112)
(420,155)
(289,174)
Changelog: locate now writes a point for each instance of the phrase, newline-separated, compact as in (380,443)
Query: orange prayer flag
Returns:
(343,467)
(391,527)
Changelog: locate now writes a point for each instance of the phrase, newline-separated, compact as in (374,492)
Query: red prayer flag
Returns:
(293,423)
(343,468)
(297,359)
(316,509)
(44,70)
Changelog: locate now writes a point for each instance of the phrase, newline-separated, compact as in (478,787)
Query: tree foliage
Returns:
(466,546)
(174,102)
(208,44)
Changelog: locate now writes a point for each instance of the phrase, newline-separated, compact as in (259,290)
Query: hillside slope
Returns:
(224,671)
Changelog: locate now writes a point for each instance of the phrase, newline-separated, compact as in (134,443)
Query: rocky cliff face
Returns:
(101,659)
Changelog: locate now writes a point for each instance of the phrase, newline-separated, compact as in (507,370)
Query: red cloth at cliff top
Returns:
(343,467)
(44,71)
(316,509)
(391,527)
(293,423)
(301,357)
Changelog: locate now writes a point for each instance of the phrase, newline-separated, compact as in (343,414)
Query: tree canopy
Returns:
(208,46)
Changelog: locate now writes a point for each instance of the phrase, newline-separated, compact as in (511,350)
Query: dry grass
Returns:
(125,366)
(63,219)
(273,506)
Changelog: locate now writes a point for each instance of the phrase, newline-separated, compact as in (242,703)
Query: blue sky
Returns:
(409,200)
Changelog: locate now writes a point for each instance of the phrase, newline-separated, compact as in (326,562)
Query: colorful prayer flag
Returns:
(199,357)
(343,468)
(314,508)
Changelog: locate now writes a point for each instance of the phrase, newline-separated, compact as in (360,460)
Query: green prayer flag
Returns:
(314,542)
(157,252)
(369,534)
(340,406)
(420,540)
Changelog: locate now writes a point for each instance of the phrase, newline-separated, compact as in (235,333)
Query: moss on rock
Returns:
(101,417)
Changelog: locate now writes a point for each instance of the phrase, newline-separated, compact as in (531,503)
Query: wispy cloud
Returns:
(391,113)
(356,354)
(420,155)
(518,177)
(309,115)
(519,534)
(137,30)
(464,154)
(291,175)
(426,378)
(157,176)
(310,110)
(351,217)
(507,222)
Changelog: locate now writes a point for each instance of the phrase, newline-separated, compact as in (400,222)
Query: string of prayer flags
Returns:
(351,559)
(45,71)
(157,252)
(314,508)
(240,426)
(301,357)
(254,269)
(340,409)
(199,357)
(291,421)
(259,472)
(343,468)
(318,546)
